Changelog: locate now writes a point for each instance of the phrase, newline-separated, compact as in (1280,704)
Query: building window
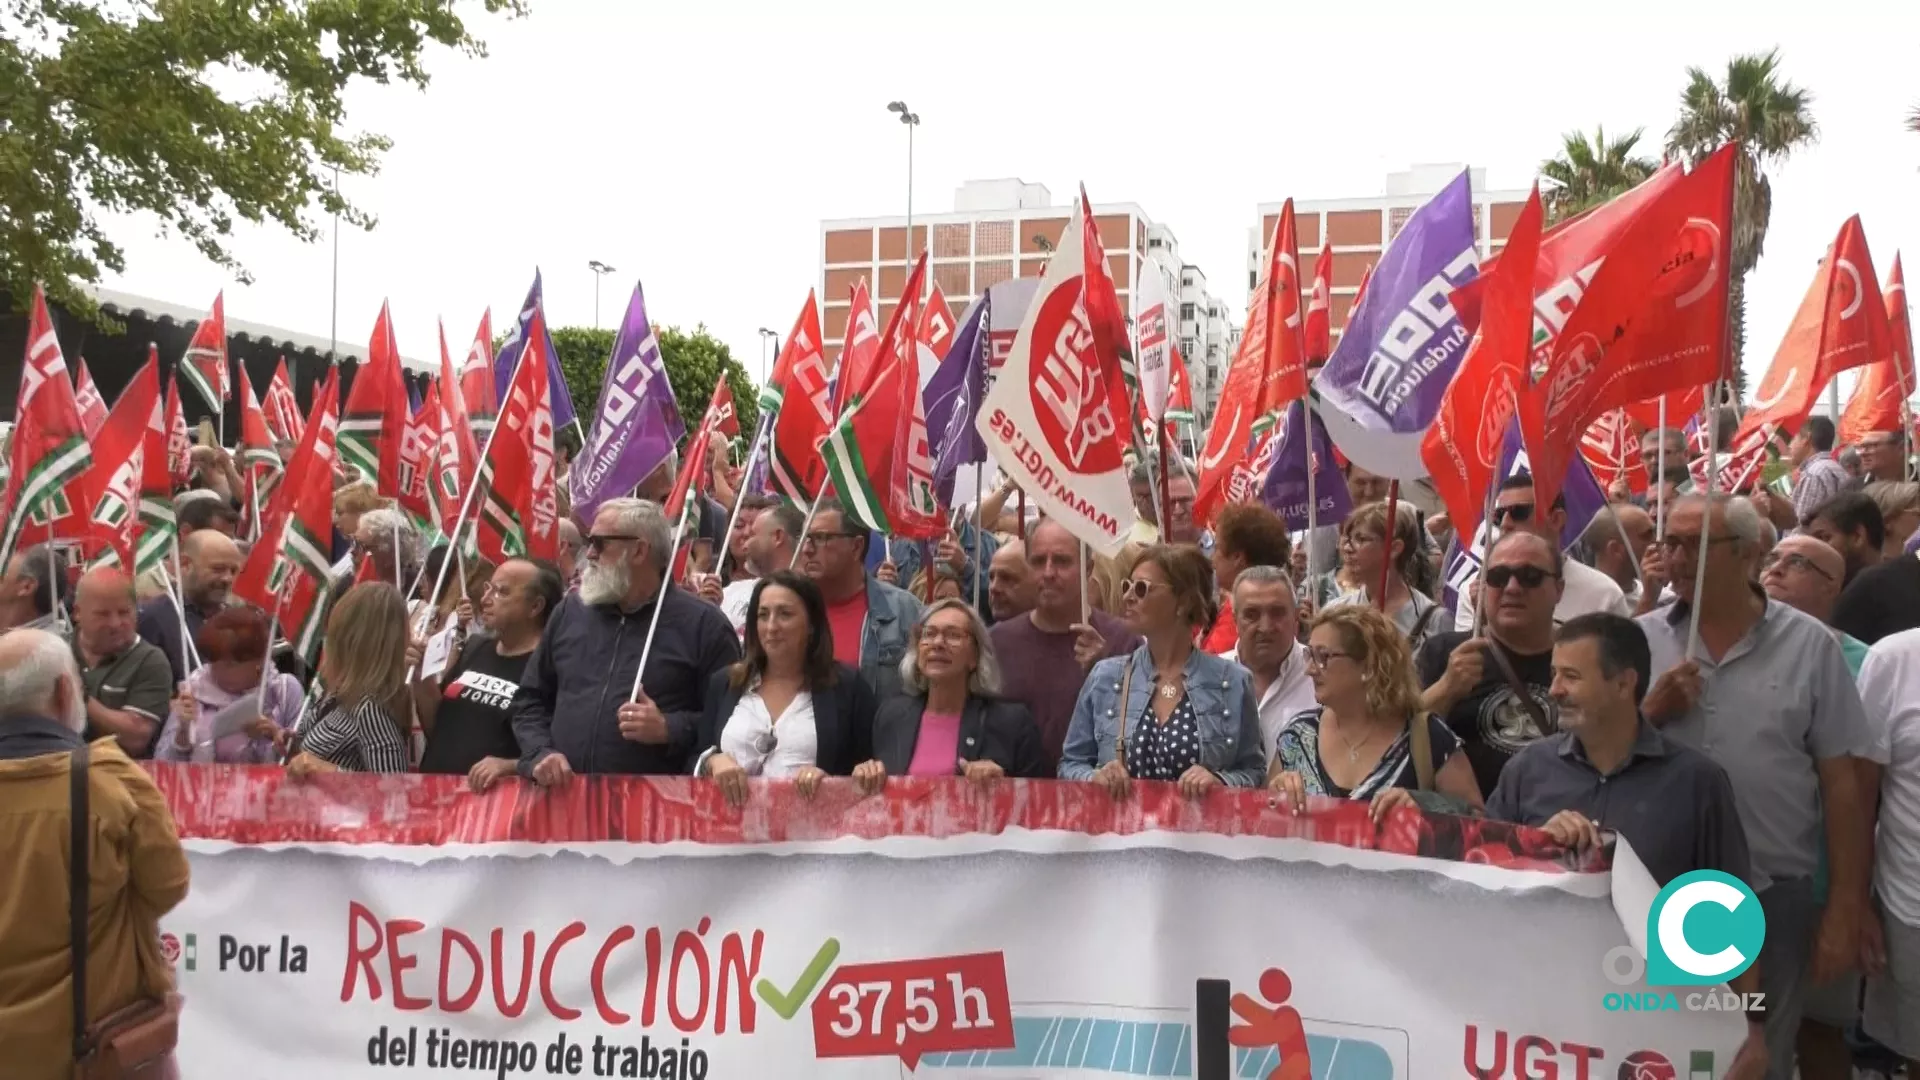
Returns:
(952,278)
(1253,280)
(1397,218)
(994,238)
(952,241)
(990,273)
(1189,347)
(1186,312)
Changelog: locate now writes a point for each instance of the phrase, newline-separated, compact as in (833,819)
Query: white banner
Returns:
(934,931)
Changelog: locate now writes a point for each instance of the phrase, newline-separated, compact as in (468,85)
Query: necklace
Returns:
(1353,751)
(1169,691)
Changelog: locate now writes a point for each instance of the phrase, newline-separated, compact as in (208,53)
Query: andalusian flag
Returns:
(49,447)
(205,365)
(860,449)
(287,572)
(119,468)
(376,416)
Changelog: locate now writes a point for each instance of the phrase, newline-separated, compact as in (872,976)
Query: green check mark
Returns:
(789,1003)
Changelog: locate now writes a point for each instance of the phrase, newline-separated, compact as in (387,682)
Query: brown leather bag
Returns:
(135,1043)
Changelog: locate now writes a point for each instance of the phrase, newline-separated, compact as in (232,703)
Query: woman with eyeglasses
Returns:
(1367,552)
(951,720)
(1370,738)
(786,710)
(1167,711)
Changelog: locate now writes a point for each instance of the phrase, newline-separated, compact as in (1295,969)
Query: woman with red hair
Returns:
(206,724)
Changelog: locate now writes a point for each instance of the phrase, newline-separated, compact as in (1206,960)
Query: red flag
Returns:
(522,512)
(877,422)
(1179,387)
(935,330)
(416,456)
(1319,331)
(86,398)
(693,471)
(1884,385)
(797,392)
(205,365)
(179,437)
(1268,373)
(859,352)
(1112,348)
(115,481)
(1837,327)
(476,376)
(1680,406)
(1611,448)
(913,506)
(1647,316)
(1462,447)
(258,458)
(374,422)
(457,454)
(282,408)
(287,571)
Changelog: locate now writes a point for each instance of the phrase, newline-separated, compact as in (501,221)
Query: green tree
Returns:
(198,112)
(1589,172)
(694,364)
(1768,118)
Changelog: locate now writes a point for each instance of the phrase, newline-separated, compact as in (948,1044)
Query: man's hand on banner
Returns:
(870,776)
(489,771)
(1573,829)
(553,770)
(1113,776)
(641,722)
(1196,780)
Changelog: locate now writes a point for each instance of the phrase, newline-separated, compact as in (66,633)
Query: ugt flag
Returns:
(516,344)
(638,424)
(1403,342)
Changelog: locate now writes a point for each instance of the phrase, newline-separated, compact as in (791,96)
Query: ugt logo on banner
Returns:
(1704,928)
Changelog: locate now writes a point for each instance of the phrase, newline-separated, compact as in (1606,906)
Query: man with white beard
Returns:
(571,714)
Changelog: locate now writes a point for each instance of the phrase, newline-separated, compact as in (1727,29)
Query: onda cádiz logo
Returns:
(1704,929)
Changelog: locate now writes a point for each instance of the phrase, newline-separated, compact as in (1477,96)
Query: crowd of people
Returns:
(1724,682)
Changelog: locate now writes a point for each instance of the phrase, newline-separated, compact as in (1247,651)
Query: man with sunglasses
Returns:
(1585,590)
(1764,690)
(870,619)
(1495,691)
(572,713)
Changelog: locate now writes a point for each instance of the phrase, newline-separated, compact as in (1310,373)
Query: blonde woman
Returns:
(1360,742)
(357,717)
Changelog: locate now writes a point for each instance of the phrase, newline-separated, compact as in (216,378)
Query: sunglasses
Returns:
(1529,577)
(1138,588)
(597,542)
(1518,512)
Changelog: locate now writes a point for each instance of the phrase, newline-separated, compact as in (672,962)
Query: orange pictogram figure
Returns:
(1275,1024)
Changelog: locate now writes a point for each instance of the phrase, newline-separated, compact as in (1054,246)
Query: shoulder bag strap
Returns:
(1126,683)
(1519,688)
(78,879)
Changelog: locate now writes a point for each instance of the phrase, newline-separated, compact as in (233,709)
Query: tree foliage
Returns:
(199,112)
(1768,118)
(1589,172)
(694,363)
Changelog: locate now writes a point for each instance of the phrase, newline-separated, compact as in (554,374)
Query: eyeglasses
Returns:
(597,542)
(1529,577)
(946,635)
(1689,544)
(813,539)
(1519,513)
(1791,561)
(1138,588)
(1320,658)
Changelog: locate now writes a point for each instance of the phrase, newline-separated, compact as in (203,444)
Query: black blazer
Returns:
(842,719)
(1002,732)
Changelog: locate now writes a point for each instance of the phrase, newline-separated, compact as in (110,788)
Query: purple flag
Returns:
(1382,386)
(516,344)
(1581,493)
(1285,492)
(951,399)
(638,424)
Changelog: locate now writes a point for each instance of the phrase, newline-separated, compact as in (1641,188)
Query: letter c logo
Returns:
(1724,938)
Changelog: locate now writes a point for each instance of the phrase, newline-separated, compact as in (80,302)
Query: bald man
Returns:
(1806,574)
(209,562)
(1011,590)
(127,680)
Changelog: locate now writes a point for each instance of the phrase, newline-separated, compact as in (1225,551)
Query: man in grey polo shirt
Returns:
(1767,695)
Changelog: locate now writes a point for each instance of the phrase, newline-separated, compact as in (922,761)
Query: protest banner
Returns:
(640,927)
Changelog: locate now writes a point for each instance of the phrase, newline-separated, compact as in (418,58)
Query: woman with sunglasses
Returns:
(1366,551)
(1362,741)
(786,710)
(951,721)
(1167,711)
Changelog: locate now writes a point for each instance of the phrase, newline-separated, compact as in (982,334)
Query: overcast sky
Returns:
(696,147)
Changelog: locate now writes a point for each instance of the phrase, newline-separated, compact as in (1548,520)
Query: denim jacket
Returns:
(1222,695)
(891,616)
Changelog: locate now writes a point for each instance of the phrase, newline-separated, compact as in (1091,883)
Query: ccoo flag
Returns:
(516,344)
(638,423)
(952,401)
(1403,341)
(1285,490)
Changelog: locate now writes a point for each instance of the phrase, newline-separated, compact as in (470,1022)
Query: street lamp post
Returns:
(767,339)
(912,120)
(600,270)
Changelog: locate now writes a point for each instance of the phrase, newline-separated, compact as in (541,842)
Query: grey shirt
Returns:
(1673,805)
(1779,702)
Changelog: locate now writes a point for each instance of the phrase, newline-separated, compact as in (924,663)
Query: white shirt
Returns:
(734,600)
(1890,690)
(1587,591)
(751,730)
(1287,697)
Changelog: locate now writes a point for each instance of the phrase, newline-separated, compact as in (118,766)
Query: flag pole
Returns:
(1386,543)
(1660,478)
(660,597)
(53,581)
(1475,594)
(979,525)
(739,495)
(1086,616)
(1710,412)
(1313,497)
(1164,497)
(801,540)
(1020,494)
(179,593)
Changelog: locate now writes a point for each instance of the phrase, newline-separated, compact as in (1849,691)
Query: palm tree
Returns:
(1588,172)
(1769,119)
